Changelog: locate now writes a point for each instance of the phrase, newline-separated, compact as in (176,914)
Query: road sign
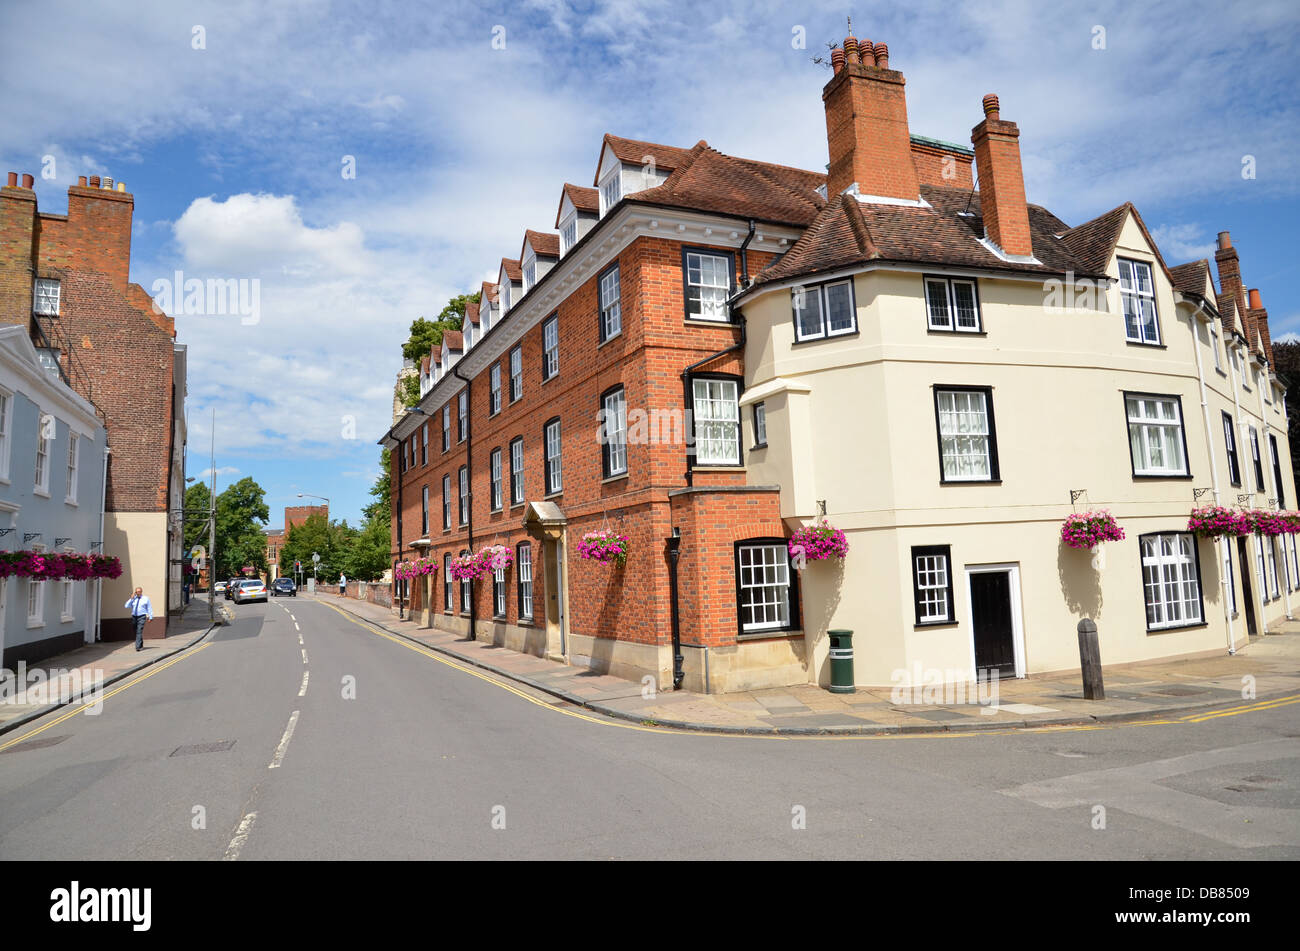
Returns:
(315,557)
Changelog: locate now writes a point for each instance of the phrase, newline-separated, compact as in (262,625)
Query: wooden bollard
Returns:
(1090,661)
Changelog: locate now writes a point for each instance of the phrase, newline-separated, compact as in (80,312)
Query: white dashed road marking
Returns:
(304,655)
(302,691)
(284,741)
(241,836)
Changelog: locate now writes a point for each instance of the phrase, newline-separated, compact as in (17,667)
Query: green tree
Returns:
(410,392)
(330,540)
(198,500)
(1286,359)
(240,539)
(427,334)
(367,556)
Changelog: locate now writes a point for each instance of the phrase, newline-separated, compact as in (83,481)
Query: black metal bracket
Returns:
(1197,493)
(60,541)
(1247,497)
(1076,494)
(6,531)
(28,536)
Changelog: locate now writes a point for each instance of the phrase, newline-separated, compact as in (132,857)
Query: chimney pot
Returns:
(837,59)
(882,55)
(1225,240)
(81,181)
(108,183)
(1255,303)
(94,181)
(121,186)
(991,106)
(851,50)
(28,181)
(13,179)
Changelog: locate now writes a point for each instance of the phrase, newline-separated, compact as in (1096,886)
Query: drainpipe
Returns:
(469,481)
(674,543)
(687,402)
(744,256)
(1272,478)
(1240,437)
(103,506)
(1214,471)
(401,544)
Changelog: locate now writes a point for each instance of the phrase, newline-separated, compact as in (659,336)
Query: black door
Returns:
(990,597)
(1247,594)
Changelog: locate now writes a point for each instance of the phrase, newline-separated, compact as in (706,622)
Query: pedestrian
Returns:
(141,610)
(343,585)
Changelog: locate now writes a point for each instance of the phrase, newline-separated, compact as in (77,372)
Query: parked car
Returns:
(231,585)
(251,590)
(220,587)
(284,586)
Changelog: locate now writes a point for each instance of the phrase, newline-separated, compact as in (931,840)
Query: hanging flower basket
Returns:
(415,568)
(47,566)
(463,568)
(604,546)
(1267,522)
(495,558)
(818,542)
(1215,521)
(1087,529)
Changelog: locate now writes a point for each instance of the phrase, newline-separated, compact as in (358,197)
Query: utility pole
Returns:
(212,526)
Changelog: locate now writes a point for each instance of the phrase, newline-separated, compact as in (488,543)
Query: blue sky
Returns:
(235,152)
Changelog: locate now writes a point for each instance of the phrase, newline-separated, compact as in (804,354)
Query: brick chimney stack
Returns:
(1001,181)
(866,124)
(1259,317)
(1225,259)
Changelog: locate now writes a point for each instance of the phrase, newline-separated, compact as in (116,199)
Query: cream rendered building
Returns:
(951,373)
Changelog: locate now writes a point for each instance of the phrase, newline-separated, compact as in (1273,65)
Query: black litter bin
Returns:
(841,661)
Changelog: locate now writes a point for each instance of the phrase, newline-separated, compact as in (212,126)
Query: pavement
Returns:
(1267,667)
(64,678)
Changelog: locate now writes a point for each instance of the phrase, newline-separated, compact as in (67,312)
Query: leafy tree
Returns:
(240,540)
(427,334)
(410,392)
(198,500)
(367,557)
(1286,357)
(316,535)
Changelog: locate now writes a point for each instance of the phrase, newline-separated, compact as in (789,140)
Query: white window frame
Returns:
(695,266)
(446,428)
(614,433)
(424,446)
(1260,570)
(496,478)
(1214,344)
(46,294)
(1171,580)
(465,593)
(764,568)
(462,479)
(611,306)
(1272,567)
(446,502)
(462,416)
(568,232)
(36,597)
(67,609)
(1255,458)
(1146,329)
(550,347)
(716,418)
(495,389)
(424,511)
(943,290)
(448,595)
(516,374)
(42,461)
(611,189)
(524,577)
(6,429)
(800,299)
(554,448)
(963,443)
(516,472)
(1145,433)
(499,593)
(932,581)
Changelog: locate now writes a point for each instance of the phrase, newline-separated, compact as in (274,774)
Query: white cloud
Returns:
(221,471)
(1179,244)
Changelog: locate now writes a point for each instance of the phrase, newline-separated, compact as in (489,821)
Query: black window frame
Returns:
(606,469)
(600,308)
(820,289)
(740,423)
(731,283)
(760,410)
(424,510)
(1277,470)
(995,466)
(1182,432)
(794,619)
(1230,444)
(1256,458)
(948,281)
(929,551)
(495,479)
(517,485)
(1200,583)
(547,491)
(553,320)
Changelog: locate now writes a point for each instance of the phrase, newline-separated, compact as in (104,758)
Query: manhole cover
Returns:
(217,747)
(38,744)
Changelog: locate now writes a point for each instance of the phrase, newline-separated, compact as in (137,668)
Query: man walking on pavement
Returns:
(141,610)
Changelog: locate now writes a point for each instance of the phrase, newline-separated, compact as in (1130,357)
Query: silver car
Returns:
(251,590)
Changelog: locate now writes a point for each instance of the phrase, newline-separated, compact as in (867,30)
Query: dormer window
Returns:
(505,296)
(530,274)
(569,233)
(610,191)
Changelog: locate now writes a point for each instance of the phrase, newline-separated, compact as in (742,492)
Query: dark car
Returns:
(284,586)
(231,585)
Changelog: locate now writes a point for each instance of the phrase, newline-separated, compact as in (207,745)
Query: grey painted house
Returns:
(52,454)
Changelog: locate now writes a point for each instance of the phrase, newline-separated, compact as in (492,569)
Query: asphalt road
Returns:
(396,754)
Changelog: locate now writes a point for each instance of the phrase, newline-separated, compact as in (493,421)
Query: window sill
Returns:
(846,334)
(981,332)
(515,505)
(609,339)
(614,478)
(943,481)
(548,379)
(1150,346)
(72,502)
(1177,627)
(45,494)
(690,321)
(923,625)
(1149,477)
(67,618)
(772,634)
(758,445)
(553,495)
(719,467)
(1220,372)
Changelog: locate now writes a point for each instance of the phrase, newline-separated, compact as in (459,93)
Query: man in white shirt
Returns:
(141,610)
(343,585)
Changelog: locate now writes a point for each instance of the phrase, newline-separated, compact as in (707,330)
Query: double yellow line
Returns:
(112,693)
(1258,705)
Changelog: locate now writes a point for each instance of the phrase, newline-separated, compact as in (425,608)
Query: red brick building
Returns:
(276,537)
(66,278)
